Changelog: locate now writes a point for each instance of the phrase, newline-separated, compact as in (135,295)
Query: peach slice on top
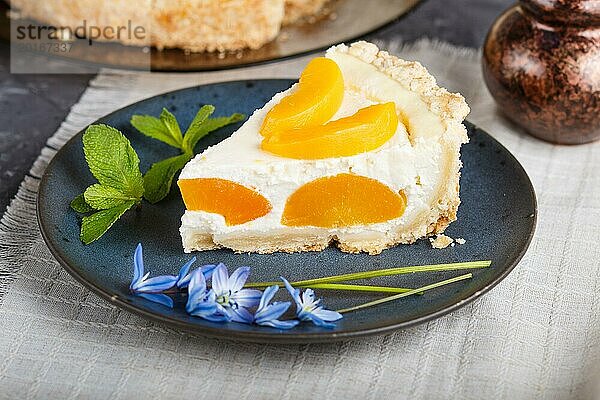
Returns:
(236,203)
(343,200)
(318,97)
(364,131)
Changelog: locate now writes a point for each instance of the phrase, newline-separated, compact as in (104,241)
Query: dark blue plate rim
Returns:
(269,336)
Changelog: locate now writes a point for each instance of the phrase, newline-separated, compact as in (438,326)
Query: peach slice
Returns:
(317,99)
(237,203)
(364,131)
(343,200)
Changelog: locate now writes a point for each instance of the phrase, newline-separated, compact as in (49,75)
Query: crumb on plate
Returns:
(441,241)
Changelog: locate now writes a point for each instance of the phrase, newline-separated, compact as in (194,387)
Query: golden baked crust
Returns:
(298,9)
(450,107)
(195,25)
(201,25)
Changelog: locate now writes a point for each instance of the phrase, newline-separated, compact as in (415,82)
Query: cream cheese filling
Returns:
(412,160)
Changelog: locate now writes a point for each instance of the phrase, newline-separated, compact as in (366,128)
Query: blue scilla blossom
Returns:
(183,278)
(150,288)
(141,283)
(268,314)
(308,308)
(157,298)
(232,299)
(201,301)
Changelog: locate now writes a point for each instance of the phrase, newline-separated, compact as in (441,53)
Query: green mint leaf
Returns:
(154,128)
(172,126)
(78,204)
(159,177)
(166,128)
(112,160)
(96,225)
(203,113)
(103,197)
(198,131)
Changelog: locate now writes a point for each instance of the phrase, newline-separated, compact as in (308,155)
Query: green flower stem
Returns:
(405,294)
(328,286)
(357,288)
(377,273)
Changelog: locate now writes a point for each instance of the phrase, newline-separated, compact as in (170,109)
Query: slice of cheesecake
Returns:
(363,152)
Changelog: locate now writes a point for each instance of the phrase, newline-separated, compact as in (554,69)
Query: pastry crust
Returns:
(450,107)
(296,10)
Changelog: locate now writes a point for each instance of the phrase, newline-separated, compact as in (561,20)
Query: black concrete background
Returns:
(33,106)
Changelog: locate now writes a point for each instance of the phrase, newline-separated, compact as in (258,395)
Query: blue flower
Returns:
(183,278)
(308,308)
(157,298)
(267,314)
(150,288)
(202,302)
(232,299)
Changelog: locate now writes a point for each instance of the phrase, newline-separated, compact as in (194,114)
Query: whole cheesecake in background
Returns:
(364,152)
(194,25)
(296,10)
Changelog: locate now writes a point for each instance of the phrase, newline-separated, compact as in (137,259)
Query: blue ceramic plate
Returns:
(497,218)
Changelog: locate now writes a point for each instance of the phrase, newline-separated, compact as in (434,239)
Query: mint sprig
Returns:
(95,225)
(78,204)
(112,160)
(159,178)
(166,129)
(115,164)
